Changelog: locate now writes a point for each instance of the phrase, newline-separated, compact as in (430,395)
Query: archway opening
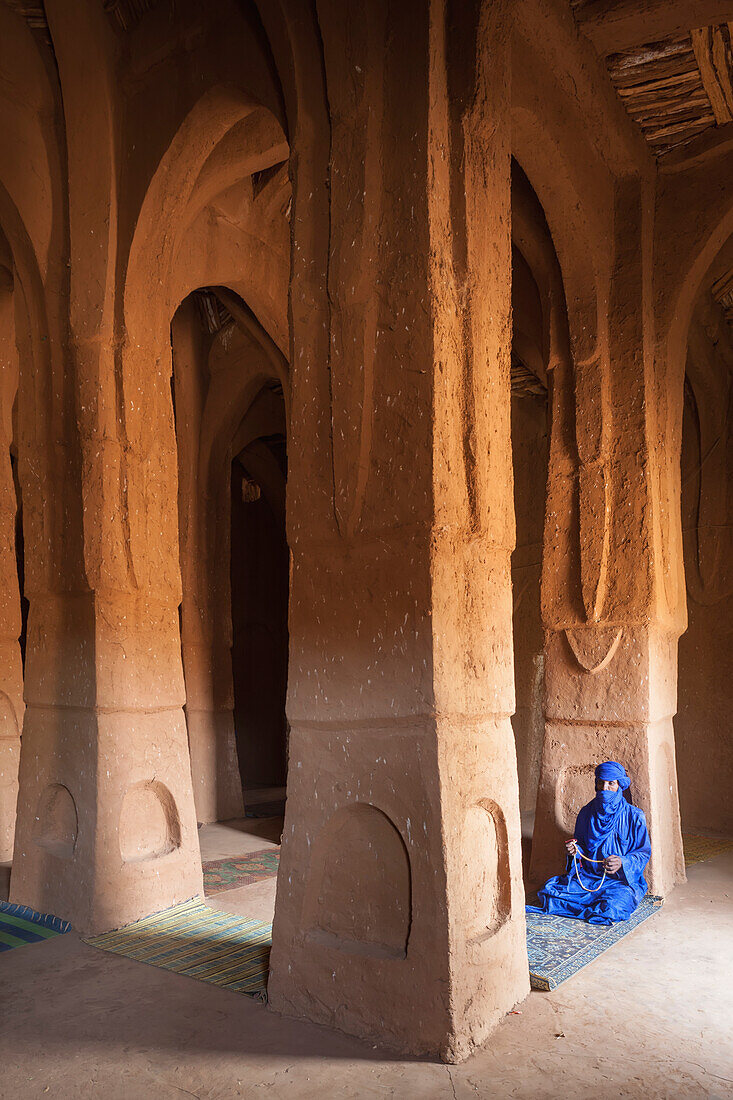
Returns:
(535,275)
(530,452)
(212,237)
(230,410)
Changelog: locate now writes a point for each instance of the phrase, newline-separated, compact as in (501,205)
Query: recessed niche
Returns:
(149,823)
(57,821)
(359,898)
(8,719)
(487,879)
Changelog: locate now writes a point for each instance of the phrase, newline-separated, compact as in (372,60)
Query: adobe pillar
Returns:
(611,581)
(400,910)
(11,668)
(106,825)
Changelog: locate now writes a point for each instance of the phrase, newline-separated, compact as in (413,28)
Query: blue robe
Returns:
(618,829)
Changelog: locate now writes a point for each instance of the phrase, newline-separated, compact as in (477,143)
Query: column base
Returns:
(400,910)
(11,722)
(9,760)
(106,828)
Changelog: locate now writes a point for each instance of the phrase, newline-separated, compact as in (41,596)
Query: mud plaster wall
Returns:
(705,670)
(400,504)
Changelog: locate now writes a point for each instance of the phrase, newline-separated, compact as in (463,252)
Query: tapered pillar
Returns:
(217,784)
(11,668)
(400,913)
(106,829)
(106,824)
(613,602)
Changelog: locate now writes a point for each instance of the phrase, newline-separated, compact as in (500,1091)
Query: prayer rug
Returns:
(202,943)
(228,874)
(699,848)
(20,925)
(559,947)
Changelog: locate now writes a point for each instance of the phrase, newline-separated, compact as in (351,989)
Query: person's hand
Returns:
(572,846)
(612,864)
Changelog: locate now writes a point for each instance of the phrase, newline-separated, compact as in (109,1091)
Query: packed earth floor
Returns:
(651,1018)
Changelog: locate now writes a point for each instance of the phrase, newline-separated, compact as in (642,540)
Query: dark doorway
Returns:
(260,570)
(530,445)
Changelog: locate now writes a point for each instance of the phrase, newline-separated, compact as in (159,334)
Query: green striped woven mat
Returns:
(202,943)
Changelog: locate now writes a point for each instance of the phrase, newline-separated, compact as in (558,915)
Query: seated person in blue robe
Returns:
(613,833)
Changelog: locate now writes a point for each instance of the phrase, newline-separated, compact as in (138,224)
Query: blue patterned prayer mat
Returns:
(559,947)
(20,925)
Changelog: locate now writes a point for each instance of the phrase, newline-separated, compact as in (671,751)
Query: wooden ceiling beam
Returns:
(714,142)
(614,25)
(711,56)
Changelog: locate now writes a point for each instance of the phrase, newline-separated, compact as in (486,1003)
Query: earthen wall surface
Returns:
(344,189)
(704,752)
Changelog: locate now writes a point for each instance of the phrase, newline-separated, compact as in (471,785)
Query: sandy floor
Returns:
(653,1018)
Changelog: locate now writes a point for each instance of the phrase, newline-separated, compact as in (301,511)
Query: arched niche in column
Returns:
(485,850)
(359,895)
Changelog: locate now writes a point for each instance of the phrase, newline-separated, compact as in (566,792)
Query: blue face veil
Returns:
(609,802)
(607,805)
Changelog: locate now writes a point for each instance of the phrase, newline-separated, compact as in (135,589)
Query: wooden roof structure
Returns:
(675,86)
(524,381)
(123,14)
(661,87)
(126,13)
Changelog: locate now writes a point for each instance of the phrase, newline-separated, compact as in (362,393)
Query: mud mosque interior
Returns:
(366,462)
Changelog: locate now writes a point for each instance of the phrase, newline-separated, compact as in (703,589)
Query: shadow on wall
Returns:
(705,665)
(530,443)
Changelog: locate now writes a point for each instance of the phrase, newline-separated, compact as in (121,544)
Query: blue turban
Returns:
(610,769)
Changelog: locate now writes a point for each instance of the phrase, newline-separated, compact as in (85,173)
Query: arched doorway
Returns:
(530,441)
(213,233)
(231,425)
(539,352)
(230,390)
